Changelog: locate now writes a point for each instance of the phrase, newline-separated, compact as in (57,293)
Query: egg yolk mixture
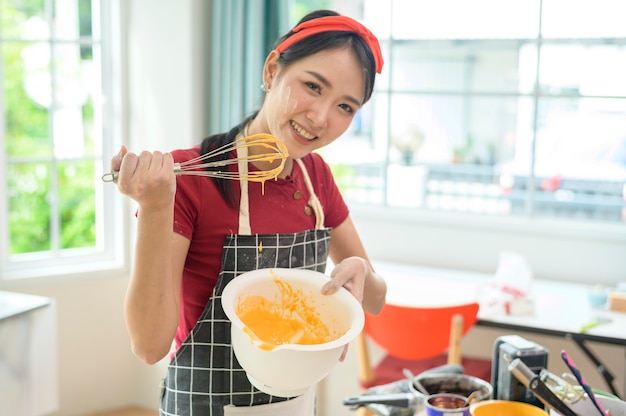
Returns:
(289,319)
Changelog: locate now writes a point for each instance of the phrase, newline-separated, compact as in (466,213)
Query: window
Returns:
(485,107)
(58,128)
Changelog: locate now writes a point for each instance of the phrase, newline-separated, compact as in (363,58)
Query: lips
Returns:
(302,132)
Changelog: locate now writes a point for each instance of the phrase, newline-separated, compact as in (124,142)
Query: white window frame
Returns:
(112,236)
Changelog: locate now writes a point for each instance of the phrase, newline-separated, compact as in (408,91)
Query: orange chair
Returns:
(417,338)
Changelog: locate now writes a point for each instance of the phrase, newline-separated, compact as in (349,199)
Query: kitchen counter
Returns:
(12,304)
(28,355)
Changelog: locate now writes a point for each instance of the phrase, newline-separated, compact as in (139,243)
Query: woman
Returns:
(315,80)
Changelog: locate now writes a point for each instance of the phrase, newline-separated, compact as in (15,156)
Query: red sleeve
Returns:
(187,199)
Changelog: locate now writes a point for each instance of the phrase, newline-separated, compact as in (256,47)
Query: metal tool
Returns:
(405,400)
(257,148)
(538,388)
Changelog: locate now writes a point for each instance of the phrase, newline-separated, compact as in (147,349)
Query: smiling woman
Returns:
(195,234)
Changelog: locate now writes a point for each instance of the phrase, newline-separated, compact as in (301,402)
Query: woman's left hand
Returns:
(350,274)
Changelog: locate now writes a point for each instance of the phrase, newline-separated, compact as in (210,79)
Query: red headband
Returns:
(334,23)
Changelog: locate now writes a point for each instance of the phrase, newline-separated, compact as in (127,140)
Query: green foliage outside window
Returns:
(51,199)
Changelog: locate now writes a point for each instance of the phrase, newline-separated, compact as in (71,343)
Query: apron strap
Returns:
(244,204)
(313,199)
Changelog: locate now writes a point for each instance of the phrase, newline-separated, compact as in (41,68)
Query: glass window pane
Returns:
(579,168)
(26,83)
(582,138)
(23,19)
(77,207)
(428,128)
(455,151)
(475,189)
(361,177)
(71,87)
(29,209)
(481,66)
(583,19)
(455,129)
(73,19)
(586,69)
(462,19)
(360,182)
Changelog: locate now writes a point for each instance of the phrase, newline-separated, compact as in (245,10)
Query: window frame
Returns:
(110,252)
(385,91)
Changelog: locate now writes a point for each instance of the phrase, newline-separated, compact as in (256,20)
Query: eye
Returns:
(313,86)
(347,108)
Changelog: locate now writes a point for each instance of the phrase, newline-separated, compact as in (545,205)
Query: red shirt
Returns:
(202,216)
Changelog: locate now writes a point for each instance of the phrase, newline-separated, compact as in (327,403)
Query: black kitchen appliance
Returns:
(505,385)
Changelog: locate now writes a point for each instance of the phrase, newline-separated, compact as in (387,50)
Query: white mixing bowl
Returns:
(290,369)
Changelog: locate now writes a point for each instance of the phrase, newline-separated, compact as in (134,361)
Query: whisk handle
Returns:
(112,176)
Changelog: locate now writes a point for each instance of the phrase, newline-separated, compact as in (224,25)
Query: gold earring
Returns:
(265,87)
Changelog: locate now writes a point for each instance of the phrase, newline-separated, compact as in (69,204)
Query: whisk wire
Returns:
(268,149)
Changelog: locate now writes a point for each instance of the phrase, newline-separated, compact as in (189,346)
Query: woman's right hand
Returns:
(147,178)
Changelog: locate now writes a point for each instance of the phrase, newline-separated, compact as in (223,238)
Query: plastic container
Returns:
(290,369)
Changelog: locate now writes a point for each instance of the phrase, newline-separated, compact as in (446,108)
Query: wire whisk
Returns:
(256,148)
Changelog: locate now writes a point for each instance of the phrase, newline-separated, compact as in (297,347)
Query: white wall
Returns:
(163,78)
(593,253)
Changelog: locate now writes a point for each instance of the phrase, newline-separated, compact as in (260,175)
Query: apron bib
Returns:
(204,377)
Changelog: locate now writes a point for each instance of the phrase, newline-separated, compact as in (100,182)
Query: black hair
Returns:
(323,41)
(217,141)
(306,47)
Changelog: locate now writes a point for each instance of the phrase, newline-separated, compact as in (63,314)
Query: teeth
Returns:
(301,132)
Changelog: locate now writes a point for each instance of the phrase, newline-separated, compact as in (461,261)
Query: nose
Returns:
(318,115)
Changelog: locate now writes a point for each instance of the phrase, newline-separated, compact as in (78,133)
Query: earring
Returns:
(265,87)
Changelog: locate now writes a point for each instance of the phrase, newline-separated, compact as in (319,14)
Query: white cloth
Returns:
(303,405)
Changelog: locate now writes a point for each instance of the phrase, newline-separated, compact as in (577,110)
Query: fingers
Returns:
(147,177)
(127,167)
(159,164)
(144,166)
(349,274)
(116,161)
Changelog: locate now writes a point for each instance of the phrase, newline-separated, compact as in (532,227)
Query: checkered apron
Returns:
(204,377)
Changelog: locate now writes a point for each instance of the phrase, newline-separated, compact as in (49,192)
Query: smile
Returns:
(302,132)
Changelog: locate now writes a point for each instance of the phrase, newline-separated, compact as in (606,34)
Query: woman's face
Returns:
(312,102)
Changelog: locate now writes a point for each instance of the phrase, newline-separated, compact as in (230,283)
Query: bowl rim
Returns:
(310,276)
(499,402)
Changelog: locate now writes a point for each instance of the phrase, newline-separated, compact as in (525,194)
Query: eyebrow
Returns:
(322,79)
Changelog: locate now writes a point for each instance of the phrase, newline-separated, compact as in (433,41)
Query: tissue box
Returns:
(524,306)
(617,301)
